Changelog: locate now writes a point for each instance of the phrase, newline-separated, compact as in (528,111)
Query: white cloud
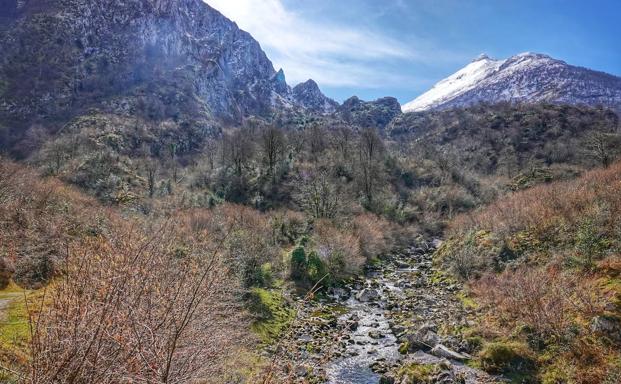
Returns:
(333,55)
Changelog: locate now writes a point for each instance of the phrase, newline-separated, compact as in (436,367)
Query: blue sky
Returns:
(375,48)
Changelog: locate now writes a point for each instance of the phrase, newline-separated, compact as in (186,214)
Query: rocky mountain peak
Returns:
(134,55)
(309,95)
(526,78)
(482,56)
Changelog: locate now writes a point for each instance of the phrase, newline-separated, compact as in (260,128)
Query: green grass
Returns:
(14,330)
(467,301)
(274,314)
(418,373)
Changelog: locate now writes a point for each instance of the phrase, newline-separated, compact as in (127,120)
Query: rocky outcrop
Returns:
(370,114)
(309,95)
(177,59)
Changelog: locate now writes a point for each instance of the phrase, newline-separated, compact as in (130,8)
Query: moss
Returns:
(330,312)
(559,372)
(273,313)
(418,373)
(404,347)
(466,301)
(507,358)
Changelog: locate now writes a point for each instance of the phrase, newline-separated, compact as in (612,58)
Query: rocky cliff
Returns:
(172,59)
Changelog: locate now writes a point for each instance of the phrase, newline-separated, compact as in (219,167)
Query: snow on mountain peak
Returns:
(456,84)
(526,77)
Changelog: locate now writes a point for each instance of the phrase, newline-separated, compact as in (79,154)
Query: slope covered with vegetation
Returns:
(544,266)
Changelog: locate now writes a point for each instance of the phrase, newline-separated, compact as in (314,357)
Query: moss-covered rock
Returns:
(509,357)
(273,313)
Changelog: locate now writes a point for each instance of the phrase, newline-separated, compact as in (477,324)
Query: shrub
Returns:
(5,274)
(338,250)
(470,255)
(317,270)
(501,357)
(373,233)
(33,272)
(299,265)
(126,309)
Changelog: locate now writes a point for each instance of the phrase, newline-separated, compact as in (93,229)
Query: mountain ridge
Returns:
(62,57)
(525,77)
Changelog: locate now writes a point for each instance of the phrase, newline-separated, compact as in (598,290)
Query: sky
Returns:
(401,48)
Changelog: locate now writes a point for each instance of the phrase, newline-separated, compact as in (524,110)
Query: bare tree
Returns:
(370,151)
(318,195)
(151,170)
(316,140)
(344,137)
(272,147)
(603,146)
(238,150)
(135,309)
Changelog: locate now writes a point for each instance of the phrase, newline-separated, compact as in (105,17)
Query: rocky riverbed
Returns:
(402,314)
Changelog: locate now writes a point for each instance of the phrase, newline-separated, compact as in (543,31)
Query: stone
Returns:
(376,335)
(443,351)
(368,294)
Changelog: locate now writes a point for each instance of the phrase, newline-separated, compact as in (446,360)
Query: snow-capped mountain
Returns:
(527,77)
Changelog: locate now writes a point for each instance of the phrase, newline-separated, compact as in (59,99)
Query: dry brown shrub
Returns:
(374,234)
(546,207)
(136,308)
(339,249)
(547,301)
(38,217)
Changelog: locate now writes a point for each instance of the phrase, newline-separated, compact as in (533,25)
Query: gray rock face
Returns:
(309,95)
(63,56)
(373,114)
(527,77)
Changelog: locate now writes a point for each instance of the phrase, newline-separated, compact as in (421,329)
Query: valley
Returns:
(174,210)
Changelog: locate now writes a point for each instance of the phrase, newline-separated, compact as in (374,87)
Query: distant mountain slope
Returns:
(164,59)
(527,77)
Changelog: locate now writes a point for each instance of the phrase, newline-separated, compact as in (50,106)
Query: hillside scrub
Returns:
(37,220)
(543,266)
(131,307)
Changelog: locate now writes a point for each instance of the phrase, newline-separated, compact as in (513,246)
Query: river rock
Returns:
(443,351)
(376,335)
(368,294)
(424,339)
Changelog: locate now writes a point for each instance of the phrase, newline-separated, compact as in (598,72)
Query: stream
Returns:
(401,311)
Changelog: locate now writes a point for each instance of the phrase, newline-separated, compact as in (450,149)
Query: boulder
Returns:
(368,294)
(443,351)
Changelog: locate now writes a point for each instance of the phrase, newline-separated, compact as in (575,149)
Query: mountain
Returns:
(369,114)
(527,77)
(309,95)
(162,59)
